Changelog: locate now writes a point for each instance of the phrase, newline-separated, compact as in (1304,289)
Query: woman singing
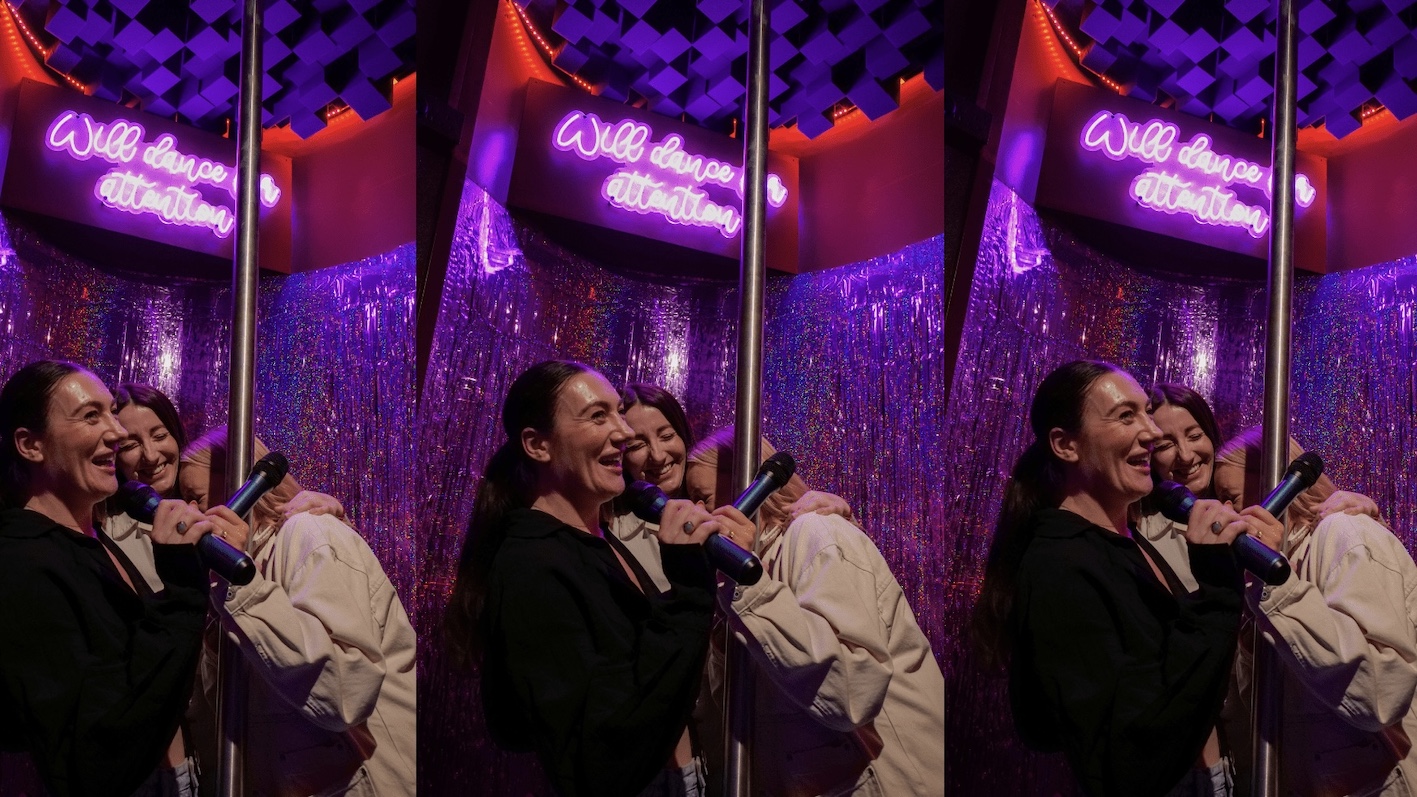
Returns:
(582,659)
(1109,659)
(96,668)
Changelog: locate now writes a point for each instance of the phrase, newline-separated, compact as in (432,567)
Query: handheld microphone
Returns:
(1270,565)
(217,554)
(1298,477)
(140,502)
(265,475)
(772,476)
(647,502)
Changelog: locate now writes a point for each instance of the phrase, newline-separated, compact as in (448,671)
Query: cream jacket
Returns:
(132,538)
(849,697)
(331,698)
(1345,620)
(638,537)
(1169,539)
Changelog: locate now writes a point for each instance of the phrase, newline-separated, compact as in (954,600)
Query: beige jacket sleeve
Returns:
(305,624)
(812,622)
(1343,623)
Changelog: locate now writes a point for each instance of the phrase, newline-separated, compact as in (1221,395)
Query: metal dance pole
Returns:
(1268,694)
(738,675)
(232,695)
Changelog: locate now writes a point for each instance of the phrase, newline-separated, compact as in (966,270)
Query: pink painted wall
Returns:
(871,188)
(1372,199)
(355,186)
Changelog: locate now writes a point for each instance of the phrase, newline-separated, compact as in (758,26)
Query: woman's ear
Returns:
(29,445)
(1063,444)
(536,445)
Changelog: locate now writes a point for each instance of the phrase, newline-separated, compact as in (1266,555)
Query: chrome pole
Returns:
(738,674)
(232,695)
(1268,689)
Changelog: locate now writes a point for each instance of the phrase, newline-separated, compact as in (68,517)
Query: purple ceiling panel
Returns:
(1245,10)
(364,98)
(786,16)
(662,54)
(178,58)
(1350,52)
(1398,97)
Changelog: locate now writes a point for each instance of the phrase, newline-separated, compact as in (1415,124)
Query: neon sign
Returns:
(1191,178)
(162,181)
(662,178)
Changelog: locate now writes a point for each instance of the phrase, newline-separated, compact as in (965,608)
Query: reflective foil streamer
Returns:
(852,366)
(1041,298)
(334,372)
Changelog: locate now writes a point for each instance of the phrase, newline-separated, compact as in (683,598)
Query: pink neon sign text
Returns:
(673,187)
(1198,185)
(164,187)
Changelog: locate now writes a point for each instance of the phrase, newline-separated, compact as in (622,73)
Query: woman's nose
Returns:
(115,431)
(622,432)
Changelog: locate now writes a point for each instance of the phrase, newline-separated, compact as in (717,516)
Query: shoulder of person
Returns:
(629,525)
(1339,534)
(305,533)
(813,533)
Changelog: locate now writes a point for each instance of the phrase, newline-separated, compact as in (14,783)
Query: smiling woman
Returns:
(1110,660)
(96,667)
(582,659)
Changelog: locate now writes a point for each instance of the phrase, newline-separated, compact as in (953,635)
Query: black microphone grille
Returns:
(1172,498)
(273,466)
(1309,467)
(779,467)
(138,500)
(646,500)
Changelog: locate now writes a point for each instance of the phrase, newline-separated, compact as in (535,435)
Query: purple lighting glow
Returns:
(165,187)
(668,182)
(1198,184)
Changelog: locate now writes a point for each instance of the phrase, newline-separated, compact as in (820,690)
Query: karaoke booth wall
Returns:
(1041,298)
(333,382)
(852,361)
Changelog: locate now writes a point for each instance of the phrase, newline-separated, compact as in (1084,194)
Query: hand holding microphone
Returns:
(742,566)
(231,563)
(1255,556)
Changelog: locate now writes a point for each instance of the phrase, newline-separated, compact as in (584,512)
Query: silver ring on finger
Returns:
(1216,527)
(181,527)
(688,527)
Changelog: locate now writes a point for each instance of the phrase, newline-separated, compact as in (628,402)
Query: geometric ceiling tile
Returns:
(1397,97)
(883,59)
(786,16)
(906,27)
(1341,124)
(1199,45)
(1315,15)
(1195,81)
(1245,10)
(1098,24)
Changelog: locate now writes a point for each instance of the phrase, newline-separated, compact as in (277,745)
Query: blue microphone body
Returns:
(141,502)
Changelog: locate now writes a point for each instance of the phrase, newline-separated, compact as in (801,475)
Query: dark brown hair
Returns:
(1036,483)
(507,482)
